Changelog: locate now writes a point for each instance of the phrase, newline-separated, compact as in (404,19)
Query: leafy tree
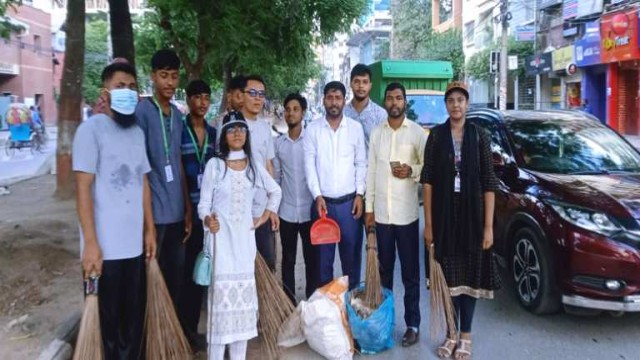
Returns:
(411,27)
(5,26)
(414,38)
(478,64)
(216,40)
(95,58)
(445,46)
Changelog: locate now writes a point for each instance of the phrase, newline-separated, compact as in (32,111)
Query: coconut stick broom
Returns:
(372,282)
(274,306)
(164,336)
(442,311)
(89,343)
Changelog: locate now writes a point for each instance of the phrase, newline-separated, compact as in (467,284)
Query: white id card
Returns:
(168,173)
(199,181)
(456,184)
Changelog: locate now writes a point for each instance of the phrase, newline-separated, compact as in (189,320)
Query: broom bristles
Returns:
(442,311)
(89,343)
(372,284)
(164,335)
(274,306)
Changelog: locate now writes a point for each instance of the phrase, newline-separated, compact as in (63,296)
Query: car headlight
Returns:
(588,219)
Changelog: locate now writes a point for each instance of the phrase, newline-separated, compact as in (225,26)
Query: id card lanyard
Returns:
(456,183)
(200,155)
(166,140)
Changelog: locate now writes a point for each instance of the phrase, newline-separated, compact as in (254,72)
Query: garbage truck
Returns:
(425,81)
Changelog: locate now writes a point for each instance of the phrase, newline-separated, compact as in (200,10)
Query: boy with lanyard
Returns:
(161,122)
(198,146)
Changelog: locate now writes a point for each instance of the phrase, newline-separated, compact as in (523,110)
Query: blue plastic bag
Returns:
(375,333)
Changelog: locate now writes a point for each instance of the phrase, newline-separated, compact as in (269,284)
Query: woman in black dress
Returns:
(459,194)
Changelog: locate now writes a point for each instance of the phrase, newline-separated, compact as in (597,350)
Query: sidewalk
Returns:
(23,165)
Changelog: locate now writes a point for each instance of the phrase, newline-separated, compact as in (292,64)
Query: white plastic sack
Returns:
(290,333)
(323,329)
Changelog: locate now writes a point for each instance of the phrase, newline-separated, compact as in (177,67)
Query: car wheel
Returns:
(533,273)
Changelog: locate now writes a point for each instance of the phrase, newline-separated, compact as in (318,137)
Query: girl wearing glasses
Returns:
(226,197)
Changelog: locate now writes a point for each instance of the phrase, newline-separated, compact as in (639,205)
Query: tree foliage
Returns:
(95,58)
(478,65)
(5,26)
(274,38)
(411,27)
(414,38)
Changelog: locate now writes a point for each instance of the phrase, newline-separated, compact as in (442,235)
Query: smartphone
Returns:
(394,164)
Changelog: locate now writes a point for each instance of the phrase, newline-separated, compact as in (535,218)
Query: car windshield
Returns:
(572,147)
(426,110)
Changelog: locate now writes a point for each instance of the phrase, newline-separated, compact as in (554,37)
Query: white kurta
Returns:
(232,301)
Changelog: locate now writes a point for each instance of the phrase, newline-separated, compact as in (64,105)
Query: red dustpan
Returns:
(325,231)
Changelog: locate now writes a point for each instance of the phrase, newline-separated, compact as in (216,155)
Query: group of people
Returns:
(154,183)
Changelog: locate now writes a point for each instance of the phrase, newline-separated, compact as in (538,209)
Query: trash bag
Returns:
(375,333)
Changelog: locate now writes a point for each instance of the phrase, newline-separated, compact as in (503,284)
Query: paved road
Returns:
(503,330)
(23,164)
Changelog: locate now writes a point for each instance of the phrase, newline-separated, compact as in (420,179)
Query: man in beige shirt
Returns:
(396,150)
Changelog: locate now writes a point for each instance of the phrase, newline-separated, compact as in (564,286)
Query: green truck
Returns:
(425,81)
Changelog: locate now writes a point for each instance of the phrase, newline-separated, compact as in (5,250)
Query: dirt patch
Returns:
(39,267)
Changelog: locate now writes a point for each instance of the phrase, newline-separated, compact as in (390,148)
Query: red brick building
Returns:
(26,61)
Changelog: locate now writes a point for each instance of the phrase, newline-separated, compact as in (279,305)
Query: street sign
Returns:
(513,62)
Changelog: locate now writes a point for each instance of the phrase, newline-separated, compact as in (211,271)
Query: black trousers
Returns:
(465,306)
(171,258)
(121,300)
(404,238)
(266,244)
(191,297)
(289,236)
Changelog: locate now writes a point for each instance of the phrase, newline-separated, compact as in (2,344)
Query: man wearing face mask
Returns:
(114,209)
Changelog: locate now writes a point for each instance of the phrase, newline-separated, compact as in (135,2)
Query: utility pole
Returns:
(535,51)
(505,16)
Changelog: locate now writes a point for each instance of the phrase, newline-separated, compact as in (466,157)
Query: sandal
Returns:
(463,351)
(446,349)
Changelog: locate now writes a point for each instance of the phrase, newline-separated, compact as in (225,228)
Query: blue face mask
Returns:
(124,101)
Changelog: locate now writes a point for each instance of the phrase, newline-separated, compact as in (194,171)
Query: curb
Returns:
(60,347)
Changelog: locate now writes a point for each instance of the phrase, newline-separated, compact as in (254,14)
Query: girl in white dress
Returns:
(226,196)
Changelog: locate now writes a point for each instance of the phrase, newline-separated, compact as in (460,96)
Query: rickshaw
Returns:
(21,133)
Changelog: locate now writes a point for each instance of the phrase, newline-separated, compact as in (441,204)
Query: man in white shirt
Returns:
(395,163)
(295,207)
(336,168)
(361,108)
(263,152)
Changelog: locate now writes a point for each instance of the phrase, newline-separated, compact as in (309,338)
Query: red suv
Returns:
(568,210)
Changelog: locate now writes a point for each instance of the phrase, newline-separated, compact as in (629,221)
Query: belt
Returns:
(341,199)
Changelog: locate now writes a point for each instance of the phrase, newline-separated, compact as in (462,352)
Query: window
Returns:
(469,31)
(446,10)
(37,43)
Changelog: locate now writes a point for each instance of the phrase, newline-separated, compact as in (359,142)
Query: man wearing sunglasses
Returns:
(263,150)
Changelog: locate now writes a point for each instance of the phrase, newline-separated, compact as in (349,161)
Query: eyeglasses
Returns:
(239,129)
(255,93)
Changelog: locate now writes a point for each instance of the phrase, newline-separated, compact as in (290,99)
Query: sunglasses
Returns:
(255,93)
(240,129)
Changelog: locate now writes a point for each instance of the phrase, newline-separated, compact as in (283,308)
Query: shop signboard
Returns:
(619,33)
(562,58)
(587,49)
(9,69)
(538,64)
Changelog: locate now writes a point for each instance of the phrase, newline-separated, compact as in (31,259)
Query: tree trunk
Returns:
(226,78)
(121,30)
(70,112)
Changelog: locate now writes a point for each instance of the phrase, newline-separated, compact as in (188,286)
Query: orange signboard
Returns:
(619,36)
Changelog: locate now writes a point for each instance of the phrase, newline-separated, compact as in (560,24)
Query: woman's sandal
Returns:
(463,351)
(446,349)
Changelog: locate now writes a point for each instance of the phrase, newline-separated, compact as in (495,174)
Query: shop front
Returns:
(620,50)
(567,90)
(537,65)
(594,73)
